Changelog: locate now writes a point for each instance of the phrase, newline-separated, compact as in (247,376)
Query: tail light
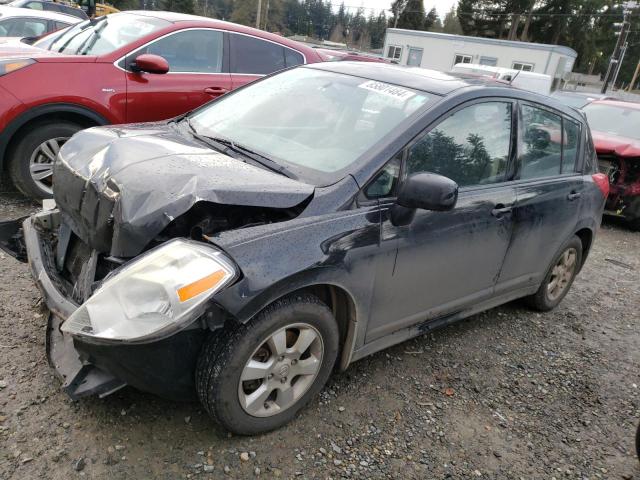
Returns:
(602,181)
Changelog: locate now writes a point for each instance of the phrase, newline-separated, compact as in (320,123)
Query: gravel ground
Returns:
(506,394)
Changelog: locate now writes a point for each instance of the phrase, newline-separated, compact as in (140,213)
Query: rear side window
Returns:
(590,157)
(471,147)
(541,145)
(570,146)
(254,56)
(190,51)
(292,58)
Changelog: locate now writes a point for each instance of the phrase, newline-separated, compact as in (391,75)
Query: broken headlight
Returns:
(154,296)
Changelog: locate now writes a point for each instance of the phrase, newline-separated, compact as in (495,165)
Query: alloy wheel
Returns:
(281,370)
(562,274)
(41,163)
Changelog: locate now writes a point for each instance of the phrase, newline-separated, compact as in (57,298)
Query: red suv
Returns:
(122,68)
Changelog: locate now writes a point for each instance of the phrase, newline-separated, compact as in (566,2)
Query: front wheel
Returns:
(256,377)
(31,160)
(559,277)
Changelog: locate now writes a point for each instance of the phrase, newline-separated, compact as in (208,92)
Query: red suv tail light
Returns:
(602,181)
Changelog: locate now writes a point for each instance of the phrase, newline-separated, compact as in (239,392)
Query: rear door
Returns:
(252,57)
(197,74)
(446,261)
(549,189)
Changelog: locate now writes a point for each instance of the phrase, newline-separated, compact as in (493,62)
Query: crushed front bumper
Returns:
(79,377)
(165,367)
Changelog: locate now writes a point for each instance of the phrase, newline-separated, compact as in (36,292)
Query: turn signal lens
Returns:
(8,66)
(200,286)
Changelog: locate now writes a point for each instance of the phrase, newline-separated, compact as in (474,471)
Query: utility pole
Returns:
(623,50)
(635,76)
(259,13)
(616,57)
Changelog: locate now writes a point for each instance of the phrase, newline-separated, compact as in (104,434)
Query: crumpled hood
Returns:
(119,187)
(607,144)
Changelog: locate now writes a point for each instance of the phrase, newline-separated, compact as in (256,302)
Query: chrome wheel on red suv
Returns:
(31,160)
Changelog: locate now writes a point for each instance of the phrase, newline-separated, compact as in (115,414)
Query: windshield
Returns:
(615,120)
(315,123)
(103,35)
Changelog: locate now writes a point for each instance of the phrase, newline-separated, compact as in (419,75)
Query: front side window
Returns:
(541,143)
(315,123)
(394,52)
(462,59)
(254,56)
(192,51)
(23,27)
(471,147)
(34,6)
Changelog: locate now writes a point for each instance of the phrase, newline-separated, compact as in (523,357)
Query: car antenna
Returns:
(514,77)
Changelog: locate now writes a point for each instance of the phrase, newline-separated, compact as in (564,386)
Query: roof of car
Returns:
(206,22)
(7,11)
(617,103)
(431,81)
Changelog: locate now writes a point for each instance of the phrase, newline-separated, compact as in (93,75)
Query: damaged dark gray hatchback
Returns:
(236,254)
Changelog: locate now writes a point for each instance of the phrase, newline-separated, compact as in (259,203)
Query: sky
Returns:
(442,6)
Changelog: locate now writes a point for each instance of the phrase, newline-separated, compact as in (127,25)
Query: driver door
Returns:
(197,74)
(448,261)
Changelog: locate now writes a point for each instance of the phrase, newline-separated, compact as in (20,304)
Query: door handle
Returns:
(215,90)
(573,195)
(500,210)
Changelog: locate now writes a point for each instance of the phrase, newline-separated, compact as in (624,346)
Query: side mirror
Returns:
(150,63)
(426,191)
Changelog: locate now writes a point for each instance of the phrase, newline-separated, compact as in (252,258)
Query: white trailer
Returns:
(441,51)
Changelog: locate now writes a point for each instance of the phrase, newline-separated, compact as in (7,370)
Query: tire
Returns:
(634,224)
(26,152)
(543,300)
(225,354)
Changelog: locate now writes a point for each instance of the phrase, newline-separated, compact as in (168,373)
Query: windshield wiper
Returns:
(90,23)
(229,145)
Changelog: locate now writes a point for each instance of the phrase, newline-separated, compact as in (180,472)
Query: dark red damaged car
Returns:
(615,126)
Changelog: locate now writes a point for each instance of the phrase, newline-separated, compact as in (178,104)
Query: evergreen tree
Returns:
(182,6)
(413,16)
(452,23)
(432,21)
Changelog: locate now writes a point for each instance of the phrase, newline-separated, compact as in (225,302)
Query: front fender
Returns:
(338,249)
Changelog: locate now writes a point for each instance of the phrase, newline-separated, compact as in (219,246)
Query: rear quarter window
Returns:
(252,55)
(571,142)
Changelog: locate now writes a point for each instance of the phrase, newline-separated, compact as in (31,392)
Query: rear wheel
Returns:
(256,377)
(31,160)
(559,277)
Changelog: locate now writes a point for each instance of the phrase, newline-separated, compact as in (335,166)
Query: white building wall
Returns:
(439,53)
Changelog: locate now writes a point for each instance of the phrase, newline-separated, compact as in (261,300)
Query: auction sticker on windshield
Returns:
(387,89)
